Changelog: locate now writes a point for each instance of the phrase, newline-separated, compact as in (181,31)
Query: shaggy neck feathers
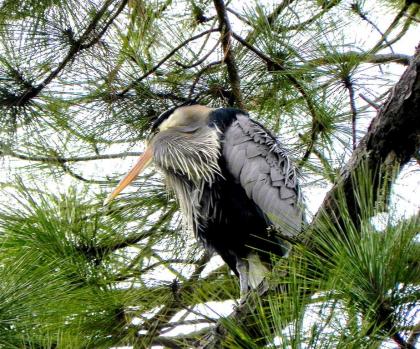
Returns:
(189,161)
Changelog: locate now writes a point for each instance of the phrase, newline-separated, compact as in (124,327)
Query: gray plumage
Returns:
(264,170)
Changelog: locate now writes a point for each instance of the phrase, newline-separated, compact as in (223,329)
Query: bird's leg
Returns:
(263,287)
(242,267)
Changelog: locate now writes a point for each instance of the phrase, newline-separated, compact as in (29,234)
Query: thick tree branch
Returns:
(393,138)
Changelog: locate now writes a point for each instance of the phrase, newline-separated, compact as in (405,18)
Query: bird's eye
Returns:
(189,128)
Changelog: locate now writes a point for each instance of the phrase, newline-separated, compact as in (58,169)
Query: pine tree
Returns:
(80,83)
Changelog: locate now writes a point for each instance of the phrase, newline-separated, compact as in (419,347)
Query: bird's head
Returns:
(180,141)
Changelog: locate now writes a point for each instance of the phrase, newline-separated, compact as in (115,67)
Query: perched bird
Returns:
(236,187)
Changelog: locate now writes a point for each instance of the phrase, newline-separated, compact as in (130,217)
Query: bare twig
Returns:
(201,60)
(356,8)
(70,172)
(350,88)
(369,101)
(391,27)
(239,16)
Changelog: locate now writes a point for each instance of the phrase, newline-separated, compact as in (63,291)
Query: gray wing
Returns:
(261,166)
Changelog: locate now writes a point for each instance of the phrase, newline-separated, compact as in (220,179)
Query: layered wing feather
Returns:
(261,166)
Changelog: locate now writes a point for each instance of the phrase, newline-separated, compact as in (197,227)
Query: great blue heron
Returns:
(234,183)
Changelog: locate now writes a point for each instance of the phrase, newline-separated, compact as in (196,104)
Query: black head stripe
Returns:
(166,114)
(223,117)
(161,118)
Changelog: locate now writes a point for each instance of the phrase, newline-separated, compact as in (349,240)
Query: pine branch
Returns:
(362,57)
(201,60)
(270,18)
(164,60)
(62,160)
(309,21)
(229,59)
(101,33)
(404,29)
(356,8)
(199,75)
(392,26)
(180,341)
(273,65)
(278,10)
(76,47)
(103,250)
(174,305)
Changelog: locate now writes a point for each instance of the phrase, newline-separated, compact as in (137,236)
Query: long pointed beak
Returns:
(141,164)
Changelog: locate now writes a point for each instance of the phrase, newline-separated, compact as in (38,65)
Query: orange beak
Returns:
(141,164)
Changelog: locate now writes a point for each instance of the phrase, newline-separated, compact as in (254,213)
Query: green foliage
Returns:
(80,84)
(348,288)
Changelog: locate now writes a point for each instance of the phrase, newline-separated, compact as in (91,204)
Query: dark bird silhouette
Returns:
(235,184)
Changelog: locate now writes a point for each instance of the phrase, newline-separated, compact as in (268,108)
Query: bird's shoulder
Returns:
(223,118)
(259,163)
